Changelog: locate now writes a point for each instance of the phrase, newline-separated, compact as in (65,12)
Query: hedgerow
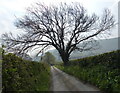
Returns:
(21,75)
(101,70)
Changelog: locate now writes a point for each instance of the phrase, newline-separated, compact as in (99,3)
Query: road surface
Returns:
(64,82)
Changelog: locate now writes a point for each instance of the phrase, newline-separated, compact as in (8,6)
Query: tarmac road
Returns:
(64,82)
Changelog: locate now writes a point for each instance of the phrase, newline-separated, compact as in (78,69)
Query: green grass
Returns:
(102,71)
(22,75)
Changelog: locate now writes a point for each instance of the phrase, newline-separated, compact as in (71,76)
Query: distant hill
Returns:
(25,56)
(105,45)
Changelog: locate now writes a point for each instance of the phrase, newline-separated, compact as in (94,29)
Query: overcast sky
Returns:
(10,9)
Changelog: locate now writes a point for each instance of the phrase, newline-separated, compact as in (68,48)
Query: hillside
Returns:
(105,45)
(25,56)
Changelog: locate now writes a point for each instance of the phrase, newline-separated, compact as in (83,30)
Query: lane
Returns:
(64,82)
(58,83)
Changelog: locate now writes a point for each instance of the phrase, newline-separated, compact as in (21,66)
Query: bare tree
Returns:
(65,27)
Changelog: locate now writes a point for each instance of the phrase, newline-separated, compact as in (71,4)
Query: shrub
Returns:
(22,75)
(101,70)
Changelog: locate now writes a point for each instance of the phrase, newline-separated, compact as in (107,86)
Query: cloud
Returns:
(11,8)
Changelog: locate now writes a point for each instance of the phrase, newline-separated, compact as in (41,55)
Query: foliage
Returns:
(1,51)
(102,71)
(48,58)
(21,75)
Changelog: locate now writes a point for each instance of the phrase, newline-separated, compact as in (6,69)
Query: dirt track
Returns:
(64,82)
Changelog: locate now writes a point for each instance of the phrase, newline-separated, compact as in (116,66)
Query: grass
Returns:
(102,71)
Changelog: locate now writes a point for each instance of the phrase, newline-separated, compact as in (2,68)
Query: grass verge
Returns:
(102,71)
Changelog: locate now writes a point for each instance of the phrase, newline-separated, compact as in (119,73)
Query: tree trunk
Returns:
(66,61)
(65,58)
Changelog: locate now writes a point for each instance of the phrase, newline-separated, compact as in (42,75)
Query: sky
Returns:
(12,9)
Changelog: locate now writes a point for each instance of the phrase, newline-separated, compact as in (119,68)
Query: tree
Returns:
(48,58)
(66,27)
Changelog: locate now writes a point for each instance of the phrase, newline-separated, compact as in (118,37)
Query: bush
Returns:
(101,70)
(22,75)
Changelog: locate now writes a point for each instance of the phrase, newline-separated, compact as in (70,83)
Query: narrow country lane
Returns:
(64,82)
